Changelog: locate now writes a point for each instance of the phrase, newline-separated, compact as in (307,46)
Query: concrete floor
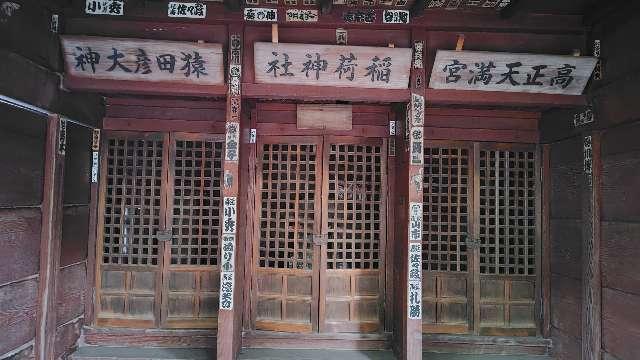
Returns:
(124,353)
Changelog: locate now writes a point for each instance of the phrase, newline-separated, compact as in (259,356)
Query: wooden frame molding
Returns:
(51,237)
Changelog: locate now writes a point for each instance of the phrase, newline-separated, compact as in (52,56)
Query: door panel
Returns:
(508,227)
(482,281)
(160,228)
(320,251)
(446,260)
(132,203)
(287,259)
(352,273)
(191,286)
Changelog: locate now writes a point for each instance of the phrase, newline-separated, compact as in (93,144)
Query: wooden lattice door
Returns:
(447,260)
(191,271)
(508,234)
(288,178)
(354,226)
(481,238)
(158,230)
(320,240)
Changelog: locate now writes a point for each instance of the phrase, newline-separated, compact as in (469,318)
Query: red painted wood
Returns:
(165,102)
(495,98)
(157,29)
(512,136)
(265,129)
(163,125)
(165,113)
(143,88)
(300,92)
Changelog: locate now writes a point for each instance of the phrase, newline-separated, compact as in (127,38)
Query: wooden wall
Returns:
(565,238)
(22,142)
(617,119)
(30,58)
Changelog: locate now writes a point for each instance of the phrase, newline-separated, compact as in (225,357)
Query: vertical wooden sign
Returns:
(415,127)
(226,323)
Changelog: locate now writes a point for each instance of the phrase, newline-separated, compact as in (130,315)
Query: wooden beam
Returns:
(51,238)
(496,98)
(591,273)
(143,88)
(327,93)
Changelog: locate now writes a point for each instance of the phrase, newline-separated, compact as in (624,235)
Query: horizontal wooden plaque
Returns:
(530,73)
(325,116)
(332,65)
(171,62)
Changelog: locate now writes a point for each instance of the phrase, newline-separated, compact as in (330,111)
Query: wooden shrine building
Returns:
(410,176)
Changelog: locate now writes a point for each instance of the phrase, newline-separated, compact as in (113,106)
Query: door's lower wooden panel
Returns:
(445,301)
(192,298)
(127,298)
(284,300)
(507,305)
(352,301)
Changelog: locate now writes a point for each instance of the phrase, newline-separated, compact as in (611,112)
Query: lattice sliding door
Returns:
(352,275)
(191,285)
(286,276)
(130,255)
(447,259)
(508,234)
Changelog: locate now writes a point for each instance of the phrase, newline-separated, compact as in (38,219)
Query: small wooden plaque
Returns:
(325,116)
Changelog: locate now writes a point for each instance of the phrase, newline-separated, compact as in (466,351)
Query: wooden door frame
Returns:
(503,146)
(113,322)
(472,252)
(160,311)
(255,240)
(474,161)
(382,270)
(169,170)
(321,142)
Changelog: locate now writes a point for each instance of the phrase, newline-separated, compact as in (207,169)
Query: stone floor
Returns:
(124,353)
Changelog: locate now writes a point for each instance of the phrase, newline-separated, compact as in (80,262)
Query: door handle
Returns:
(164,235)
(470,241)
(319,239)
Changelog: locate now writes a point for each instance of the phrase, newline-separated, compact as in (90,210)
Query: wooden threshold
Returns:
(336,341)
(495,345)
(177,338)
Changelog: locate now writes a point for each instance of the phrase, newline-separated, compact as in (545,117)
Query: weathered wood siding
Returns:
(617,117)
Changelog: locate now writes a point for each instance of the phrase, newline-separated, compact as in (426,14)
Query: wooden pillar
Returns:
(90,291)
(51,237)
(230,297)
(546,242)
(591,281)
(412,305)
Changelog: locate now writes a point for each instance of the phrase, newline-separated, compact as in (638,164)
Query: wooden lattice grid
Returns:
(445,209)
(197,202)
(507,212)
(132,201)
(355,203)
(287,214)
